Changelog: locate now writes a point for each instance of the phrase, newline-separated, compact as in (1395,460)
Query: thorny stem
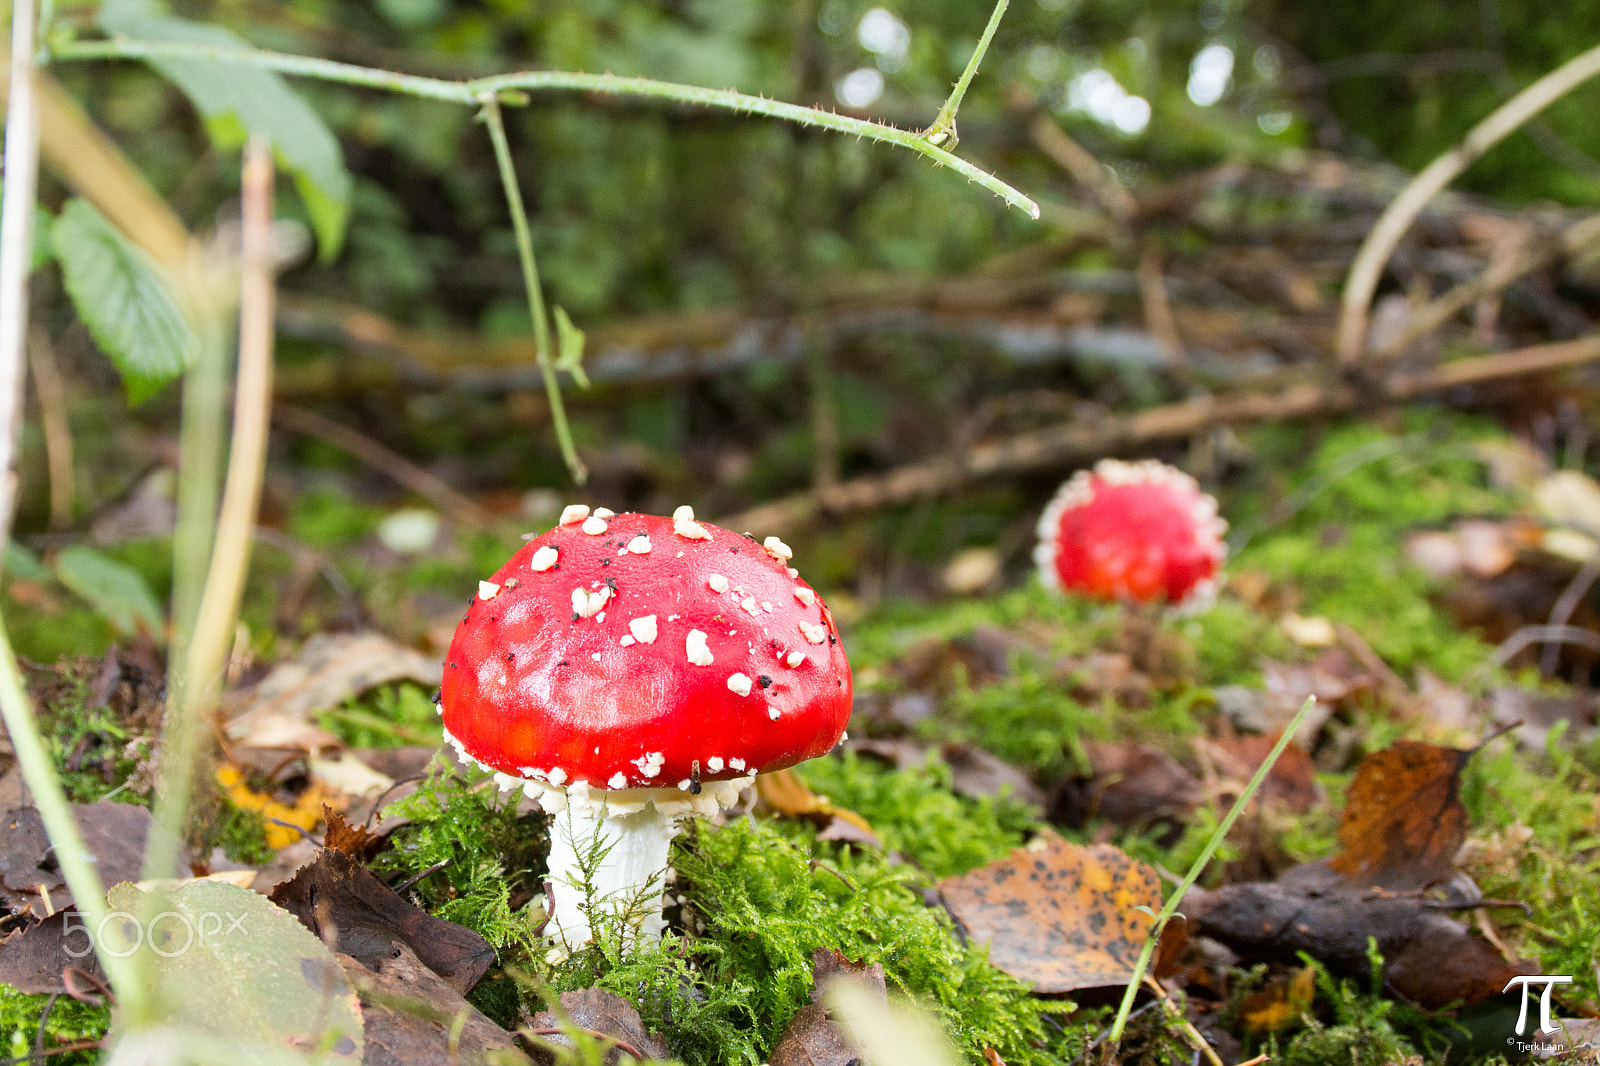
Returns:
(16,253)
(471,93)
(530,278)
(943,130)
(1175,900)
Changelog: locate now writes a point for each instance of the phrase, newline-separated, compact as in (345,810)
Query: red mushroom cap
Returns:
(1141,531)
(634,651)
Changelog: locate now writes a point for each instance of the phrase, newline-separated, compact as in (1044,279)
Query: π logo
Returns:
(1545,1024)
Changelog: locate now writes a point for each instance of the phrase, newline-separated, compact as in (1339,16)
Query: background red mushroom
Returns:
(628,669)
(1142,531)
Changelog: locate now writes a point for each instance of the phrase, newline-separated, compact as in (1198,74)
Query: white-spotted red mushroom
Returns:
(624,689)
(1141,531)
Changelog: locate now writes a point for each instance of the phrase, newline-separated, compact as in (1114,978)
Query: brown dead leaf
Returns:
(408,1013)
(114,834)
(334,893)
(1281,1004)
(1059,916)
(1403,820)
(783,792)
(354,840)
(1129,784)
(328,670)
(979,774)
(32,960)
(1291,783)
(606,1015)
(811,1038)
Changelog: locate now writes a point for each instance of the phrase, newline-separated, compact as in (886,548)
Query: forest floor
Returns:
(1388,567)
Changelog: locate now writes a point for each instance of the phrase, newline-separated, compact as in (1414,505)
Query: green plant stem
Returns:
(944,123)
(1175,900)
(471,93)
(530,279)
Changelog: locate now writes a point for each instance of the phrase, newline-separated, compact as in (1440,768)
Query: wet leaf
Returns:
(335,893)
(230,965)
(409,1012)
(1059,916)
(606,1015)
(1403,820)
(786,794)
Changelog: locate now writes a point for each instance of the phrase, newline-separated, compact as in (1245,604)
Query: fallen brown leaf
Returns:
(354,840)
(329,669)
(1059,916)
(1291,783)
(1403,820)
(408,1013)
(336,894)
(786,794)
(32,960)
(812,1038)
(113,833)
(1129,784)
(606,1015)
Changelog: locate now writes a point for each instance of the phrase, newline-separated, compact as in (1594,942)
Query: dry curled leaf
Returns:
(1403,820)
(354,840)
(785,793)
(336,895)
(1060,917)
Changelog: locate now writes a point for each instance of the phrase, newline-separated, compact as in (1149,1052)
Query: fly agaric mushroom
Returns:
(625,670)
(1142,531)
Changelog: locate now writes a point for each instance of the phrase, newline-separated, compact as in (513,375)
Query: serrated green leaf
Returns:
(115,590)
(224,962)
(237,100)
(569,348)
(125,299)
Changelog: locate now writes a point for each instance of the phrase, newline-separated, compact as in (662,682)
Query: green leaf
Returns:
(569,348)
(125,299)
(238,100)
(223,962)
(117,591)
(20,562)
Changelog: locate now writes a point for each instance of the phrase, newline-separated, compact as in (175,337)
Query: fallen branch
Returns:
(1385,235)
(1056,445)
(398,468)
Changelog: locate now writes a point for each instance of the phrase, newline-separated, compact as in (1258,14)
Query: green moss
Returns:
(69,1022)
(389,716)
(488,850)
(93,751)
(915,814)
(242,835)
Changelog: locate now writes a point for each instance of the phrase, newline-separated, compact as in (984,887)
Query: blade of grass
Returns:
(943,130)
(230,557)
(530,279)
(16,253)
(1175,900)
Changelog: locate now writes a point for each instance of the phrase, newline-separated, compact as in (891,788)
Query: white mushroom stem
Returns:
(634,828)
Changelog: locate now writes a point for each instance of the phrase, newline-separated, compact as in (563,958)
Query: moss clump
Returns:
(70,1021)
(488,854)
(387,717)
(916,815)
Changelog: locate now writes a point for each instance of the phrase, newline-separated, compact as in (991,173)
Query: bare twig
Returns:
(1085,169)
(1082,438)
(398,468)
(1567,603)
(1158,316)
(1196,1041)
(52,395)
(1440,310)
(1365,272)
(1522,638)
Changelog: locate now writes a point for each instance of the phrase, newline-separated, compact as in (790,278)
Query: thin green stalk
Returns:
(471,92)
(944,123)
(530,278)
(1175,900)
